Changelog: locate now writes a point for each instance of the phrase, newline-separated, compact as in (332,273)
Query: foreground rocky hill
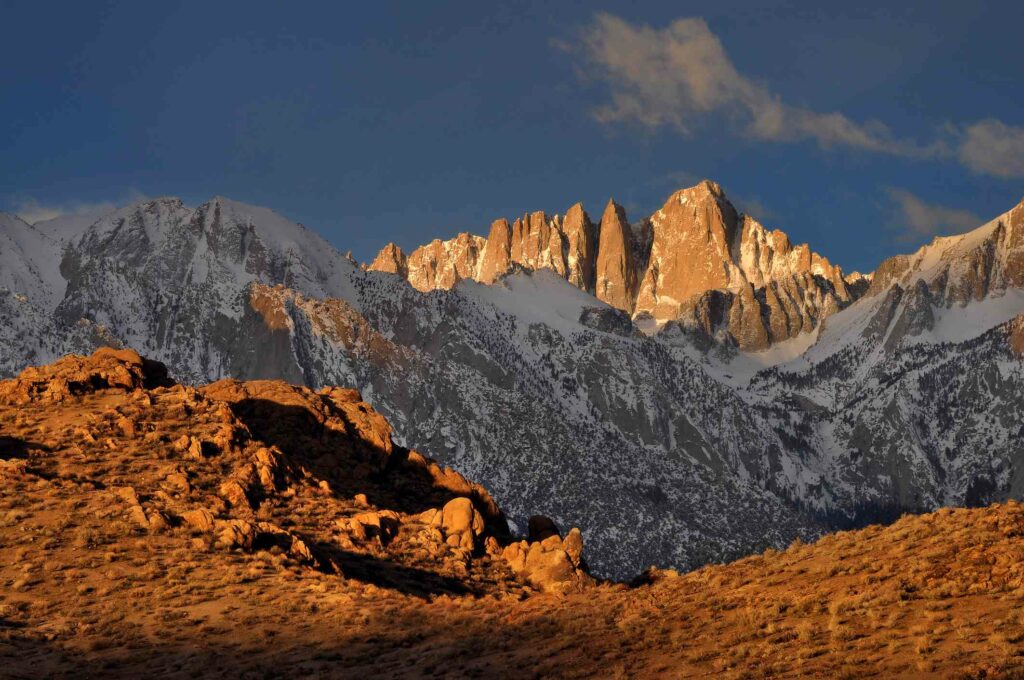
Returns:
(254,529)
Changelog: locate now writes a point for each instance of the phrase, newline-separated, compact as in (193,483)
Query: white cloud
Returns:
(993,147)
(680,76)
(33,211)
(917,218)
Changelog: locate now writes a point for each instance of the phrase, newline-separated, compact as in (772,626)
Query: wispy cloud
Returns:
(680,76)
(33,210)
(993,147)
(916,218)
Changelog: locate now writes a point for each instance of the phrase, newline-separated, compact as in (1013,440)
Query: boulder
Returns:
(200,519)
(552,564)
(234,493)
(461,523)
(236,533)
(382,525)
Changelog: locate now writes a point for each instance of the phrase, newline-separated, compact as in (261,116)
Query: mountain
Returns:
(557,387)
(252,529)
(695,261)
(914,391)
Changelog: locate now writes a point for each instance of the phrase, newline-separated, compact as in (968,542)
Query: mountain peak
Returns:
(612,208)
(391,260)
(704,188)
(660,266)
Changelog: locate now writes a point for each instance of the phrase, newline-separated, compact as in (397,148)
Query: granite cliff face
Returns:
(665,446)
(695,262)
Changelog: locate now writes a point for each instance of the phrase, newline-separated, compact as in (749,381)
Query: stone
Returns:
(200,519)
(235,494)
(461,522)
(179,481)
(383,524)
(552,564)
(572,544)
(126,426)
(236,533)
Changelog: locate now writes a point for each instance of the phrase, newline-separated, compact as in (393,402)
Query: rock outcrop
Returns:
(392,260)
(548,561)
(262,465)
(497,253)
(616,269)
(442,264)
(107,368)
(581,248)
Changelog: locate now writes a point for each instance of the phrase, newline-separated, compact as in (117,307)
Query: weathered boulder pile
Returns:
(256,466)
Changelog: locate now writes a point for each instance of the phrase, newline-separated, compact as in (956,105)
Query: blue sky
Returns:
(863,129)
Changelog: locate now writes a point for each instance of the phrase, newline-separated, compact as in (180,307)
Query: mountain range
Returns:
(687,388)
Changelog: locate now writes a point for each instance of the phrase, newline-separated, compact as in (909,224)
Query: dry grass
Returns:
(85,590)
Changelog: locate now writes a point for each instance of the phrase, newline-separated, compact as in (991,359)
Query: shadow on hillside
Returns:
(384,573)
(12,447)
(351,464)
(418,645)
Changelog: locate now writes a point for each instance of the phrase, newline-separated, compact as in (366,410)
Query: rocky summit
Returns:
(696,261)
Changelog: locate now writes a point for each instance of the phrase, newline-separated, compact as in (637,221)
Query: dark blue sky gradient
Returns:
(411,121)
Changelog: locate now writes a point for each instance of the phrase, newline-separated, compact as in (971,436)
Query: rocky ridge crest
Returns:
(696,262)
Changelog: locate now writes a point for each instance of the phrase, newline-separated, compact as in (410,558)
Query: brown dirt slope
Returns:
(264,530)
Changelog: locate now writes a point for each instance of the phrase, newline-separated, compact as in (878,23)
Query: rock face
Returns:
(581,248)
(442,264)
(691,252)
(695,262)
(616,269)
(497,253)
(392,260)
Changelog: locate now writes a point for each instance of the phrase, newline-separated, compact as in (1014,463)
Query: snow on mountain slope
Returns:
(583,418)
(29,262)
(69,227)
(910,398)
